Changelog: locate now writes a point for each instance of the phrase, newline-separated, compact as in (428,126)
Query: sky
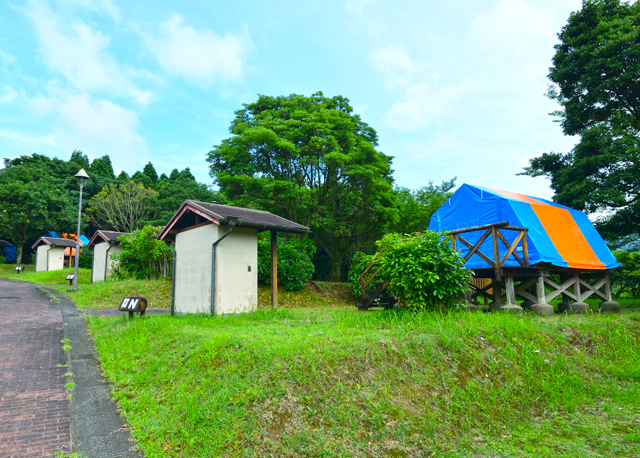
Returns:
(454,89)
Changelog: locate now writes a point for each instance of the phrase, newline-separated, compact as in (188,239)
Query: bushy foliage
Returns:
(86,259)
(143,255)
(625,280)
(422,269)
(359,264)
(295,268)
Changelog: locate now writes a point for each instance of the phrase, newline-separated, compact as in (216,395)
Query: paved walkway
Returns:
(34,410)
(36,417)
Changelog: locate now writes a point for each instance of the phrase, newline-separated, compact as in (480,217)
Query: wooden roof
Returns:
(193,213)
(53,241)
(106,236)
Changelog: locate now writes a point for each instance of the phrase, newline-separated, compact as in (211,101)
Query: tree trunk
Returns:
(19,248)
(336,266)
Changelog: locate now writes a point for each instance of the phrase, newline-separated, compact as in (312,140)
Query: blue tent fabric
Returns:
(556,235)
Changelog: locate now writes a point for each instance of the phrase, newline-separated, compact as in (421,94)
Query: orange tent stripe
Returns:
(563,231)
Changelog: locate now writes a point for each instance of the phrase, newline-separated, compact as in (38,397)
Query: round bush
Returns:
(295,268)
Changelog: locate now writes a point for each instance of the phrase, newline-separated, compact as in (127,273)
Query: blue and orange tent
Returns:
(557,235)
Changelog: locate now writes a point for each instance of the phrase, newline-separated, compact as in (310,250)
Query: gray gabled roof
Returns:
(53,241)
(247,217)
(4,243)
(106,236)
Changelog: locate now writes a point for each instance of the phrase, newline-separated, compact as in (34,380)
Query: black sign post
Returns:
(19,269)
(133,305)
(70,278)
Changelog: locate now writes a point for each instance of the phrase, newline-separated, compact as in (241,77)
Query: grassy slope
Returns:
(336,382)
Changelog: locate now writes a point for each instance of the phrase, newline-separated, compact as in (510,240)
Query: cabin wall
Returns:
(41,258)
(56,258)
(98,266)
(236,270)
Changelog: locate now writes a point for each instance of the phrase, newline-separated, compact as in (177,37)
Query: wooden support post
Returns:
(496,252)
(497,294)
(525,250)
(453,242)
(510,289)
(274,270)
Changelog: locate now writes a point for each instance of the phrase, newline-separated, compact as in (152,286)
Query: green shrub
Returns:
(295,268)
(423,270)
(86,259)
(143,255)
(359,264)
(625,280)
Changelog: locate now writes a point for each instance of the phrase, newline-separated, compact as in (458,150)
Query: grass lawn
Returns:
(336,382)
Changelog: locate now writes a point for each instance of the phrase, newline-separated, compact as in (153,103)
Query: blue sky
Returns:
(453,88)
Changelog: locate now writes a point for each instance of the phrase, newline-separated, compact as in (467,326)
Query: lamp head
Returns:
(82,177)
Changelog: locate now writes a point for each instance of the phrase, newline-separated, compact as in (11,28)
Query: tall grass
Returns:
(336,382)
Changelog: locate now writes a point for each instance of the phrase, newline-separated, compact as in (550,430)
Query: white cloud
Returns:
(96,127)
(8,95)
(421,105)
(423,100)
(200,56)
(6,57)
(98,6)
(77,51)
(31,138)
(395,63)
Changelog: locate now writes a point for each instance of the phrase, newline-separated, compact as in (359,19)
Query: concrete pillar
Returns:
(608,306)
(541,307)
(578,306)
(511,305)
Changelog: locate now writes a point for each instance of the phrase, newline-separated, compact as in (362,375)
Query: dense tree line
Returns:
(39,194)
(308,159)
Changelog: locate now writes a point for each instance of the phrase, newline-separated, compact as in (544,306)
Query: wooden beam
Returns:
(478,228)
(274,270)
(511,249)
(560,289)
(478,252)
(525,250)
(496,252)
(477,245)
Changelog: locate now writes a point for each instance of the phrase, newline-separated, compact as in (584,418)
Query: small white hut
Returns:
(216,277)
(50,253)
(104,244)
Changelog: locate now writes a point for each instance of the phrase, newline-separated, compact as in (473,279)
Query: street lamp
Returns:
(82,178)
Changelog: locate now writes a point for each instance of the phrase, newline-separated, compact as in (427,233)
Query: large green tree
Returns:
(33,199)
(596,80)
(311,160)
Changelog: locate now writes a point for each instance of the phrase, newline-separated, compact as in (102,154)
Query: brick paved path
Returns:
(34,410)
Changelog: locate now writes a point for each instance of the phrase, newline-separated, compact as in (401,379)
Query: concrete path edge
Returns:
(97,431)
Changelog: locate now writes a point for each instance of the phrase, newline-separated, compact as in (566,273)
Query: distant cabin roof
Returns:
(4,243)
(192,212)
(106,236)
(53,241)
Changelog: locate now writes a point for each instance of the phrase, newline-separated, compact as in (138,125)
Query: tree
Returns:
(143,255)
(595,78)
(417,206)
(122,207)
(33,199)
(313,161)
(102,167)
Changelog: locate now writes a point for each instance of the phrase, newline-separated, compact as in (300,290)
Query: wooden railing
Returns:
(494,230)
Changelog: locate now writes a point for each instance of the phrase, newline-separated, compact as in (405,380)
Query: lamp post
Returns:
(82,178)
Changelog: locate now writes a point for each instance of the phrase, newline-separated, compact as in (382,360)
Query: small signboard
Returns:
(133,305)
(70,277)
(19,269)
